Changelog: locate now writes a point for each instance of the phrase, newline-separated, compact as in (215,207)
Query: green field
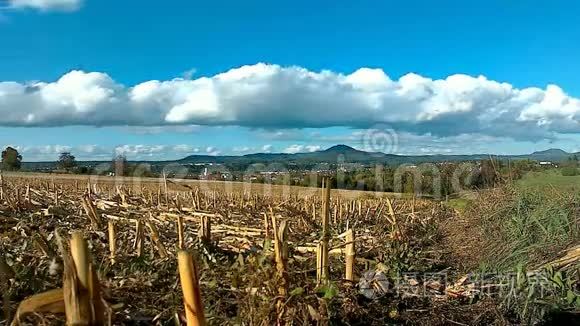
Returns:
(545,181)
(551,178)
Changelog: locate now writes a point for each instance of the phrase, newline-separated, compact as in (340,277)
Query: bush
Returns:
(11,159)
(569,171)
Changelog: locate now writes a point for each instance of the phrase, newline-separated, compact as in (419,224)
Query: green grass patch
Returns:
(459,204)
(550,179)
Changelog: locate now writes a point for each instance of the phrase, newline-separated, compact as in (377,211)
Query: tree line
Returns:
(120,166)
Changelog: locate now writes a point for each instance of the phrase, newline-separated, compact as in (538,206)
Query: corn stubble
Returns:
(166,252)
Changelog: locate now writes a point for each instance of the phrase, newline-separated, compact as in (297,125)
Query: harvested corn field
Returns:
(107,253)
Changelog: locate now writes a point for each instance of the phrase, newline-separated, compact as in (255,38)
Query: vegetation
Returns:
(412,255)
(349,169)
(550,179)
(569,171)
(11,159)
(525,226)
(66,161)
(514,231)
(240,277)
(120,165)
(513,223)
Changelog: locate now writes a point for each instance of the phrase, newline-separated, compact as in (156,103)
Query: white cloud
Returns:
(312,148)
(185,149)
(272,96)
(267,148)
(142,150)
(293,149)
(212,151)
(47,5)
(296,148)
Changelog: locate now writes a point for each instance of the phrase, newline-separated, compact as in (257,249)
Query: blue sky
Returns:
(162,81)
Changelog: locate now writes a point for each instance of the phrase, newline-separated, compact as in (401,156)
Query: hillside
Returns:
(334,154)
(348,154)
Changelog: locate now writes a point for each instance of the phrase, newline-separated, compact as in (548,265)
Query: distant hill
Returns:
(552,154)
(351,155)
(330,155)
(334,154)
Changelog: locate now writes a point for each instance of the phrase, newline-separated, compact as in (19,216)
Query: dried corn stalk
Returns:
(190,287)
(322,262)
(80,298)
(112,240)
(180,238)
(205,229)
(156,240)
(138,244)
(50,301)
(349,255)
(91,211)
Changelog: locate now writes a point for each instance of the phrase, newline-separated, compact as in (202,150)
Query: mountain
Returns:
(551,151)
(345,153)
(552,154)
(348,154)
(341,149)
(331,155)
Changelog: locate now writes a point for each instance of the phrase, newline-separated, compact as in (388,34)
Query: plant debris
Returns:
(401,276)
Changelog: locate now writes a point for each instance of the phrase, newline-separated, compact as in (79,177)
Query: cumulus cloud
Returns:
(210,150)
(293,149)
(312,148)
(271,96)
(267,148)
(296,148)
(46,5)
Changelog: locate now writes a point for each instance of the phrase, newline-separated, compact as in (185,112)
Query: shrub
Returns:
(569,171)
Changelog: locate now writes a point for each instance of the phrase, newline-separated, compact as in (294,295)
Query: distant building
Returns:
(215,173)
(548,164)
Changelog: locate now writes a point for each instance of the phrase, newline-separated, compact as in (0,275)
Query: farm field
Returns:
(204,185)
(310,256)
(550,179)
(299,163)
